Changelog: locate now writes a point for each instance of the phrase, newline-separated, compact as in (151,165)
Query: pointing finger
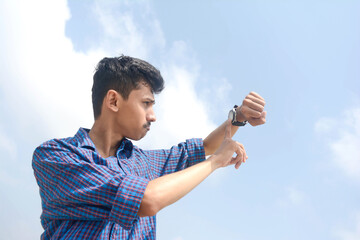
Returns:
(242,149)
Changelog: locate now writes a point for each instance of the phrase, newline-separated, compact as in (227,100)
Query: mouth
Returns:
(147,126)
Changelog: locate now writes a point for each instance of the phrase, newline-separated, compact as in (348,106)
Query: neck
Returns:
(105,139)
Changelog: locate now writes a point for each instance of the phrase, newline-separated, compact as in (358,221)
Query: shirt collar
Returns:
(84,141)
(126,146)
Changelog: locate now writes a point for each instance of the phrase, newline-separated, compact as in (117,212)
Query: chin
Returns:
(136,138)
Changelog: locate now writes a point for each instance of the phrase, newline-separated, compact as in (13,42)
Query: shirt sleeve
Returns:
(178,157)
(71,187)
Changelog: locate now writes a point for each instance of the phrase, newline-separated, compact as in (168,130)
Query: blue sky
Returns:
(302,179)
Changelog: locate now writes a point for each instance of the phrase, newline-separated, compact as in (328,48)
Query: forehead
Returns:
(143,90)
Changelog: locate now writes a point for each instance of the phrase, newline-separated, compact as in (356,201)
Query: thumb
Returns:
(263,115)
(228,129)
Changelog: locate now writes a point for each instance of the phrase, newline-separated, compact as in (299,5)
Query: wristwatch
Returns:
(232,117)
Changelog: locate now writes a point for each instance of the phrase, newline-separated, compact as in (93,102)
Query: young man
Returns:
(98,185)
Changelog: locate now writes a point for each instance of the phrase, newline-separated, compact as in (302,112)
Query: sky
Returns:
(302,178)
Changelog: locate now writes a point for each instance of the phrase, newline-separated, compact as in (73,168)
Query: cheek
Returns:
(140,114)
(135,116)
(138,119)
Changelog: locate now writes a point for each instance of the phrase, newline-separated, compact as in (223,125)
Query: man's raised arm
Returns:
(165,190)
(251,110)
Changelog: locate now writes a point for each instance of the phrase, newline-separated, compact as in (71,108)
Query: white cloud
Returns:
(47,81)
(7,147)
(46,84)
(343,138)
(181,114)
(347,153)
(7,179)
(135,35)
(325,125)
(55,80)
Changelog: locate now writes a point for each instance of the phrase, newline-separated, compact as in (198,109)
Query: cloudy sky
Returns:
(302,178)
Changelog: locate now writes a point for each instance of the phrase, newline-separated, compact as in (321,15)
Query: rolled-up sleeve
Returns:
(73,188)
(127,201)
(195,151)
(178,157)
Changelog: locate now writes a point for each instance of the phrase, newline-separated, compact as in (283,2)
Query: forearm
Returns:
(215,138)
(251,110)
(165,190)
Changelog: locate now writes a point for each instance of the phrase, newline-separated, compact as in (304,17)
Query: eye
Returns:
(148,102)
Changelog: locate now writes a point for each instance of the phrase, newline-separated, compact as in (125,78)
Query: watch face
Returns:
(231,115)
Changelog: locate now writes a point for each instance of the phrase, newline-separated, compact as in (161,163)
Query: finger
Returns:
(263,115)
(250,113)
(253,105)
(255,99)
(258,121)
(243,152)
(233,160)
(239,155)
(227,129)
(256,95)
(237,165)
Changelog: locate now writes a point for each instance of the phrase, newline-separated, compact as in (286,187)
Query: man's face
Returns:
(136,113)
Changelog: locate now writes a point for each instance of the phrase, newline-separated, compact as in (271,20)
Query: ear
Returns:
(112,100)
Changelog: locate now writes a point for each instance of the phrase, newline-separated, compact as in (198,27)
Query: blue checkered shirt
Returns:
(86,196)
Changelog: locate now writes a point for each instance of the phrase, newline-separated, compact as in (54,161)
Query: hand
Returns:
(224,154)
(252,110)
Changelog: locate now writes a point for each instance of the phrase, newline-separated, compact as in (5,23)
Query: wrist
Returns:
(214,161)
(239,116)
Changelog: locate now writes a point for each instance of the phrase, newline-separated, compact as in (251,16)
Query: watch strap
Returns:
(236,123)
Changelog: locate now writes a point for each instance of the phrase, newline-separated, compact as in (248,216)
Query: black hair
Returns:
(122,74)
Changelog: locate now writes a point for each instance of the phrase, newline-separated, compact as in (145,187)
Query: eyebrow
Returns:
(150,100)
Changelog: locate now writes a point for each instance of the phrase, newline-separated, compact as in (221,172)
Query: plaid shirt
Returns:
(86,196)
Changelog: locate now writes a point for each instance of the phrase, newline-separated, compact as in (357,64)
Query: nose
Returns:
(150,116)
